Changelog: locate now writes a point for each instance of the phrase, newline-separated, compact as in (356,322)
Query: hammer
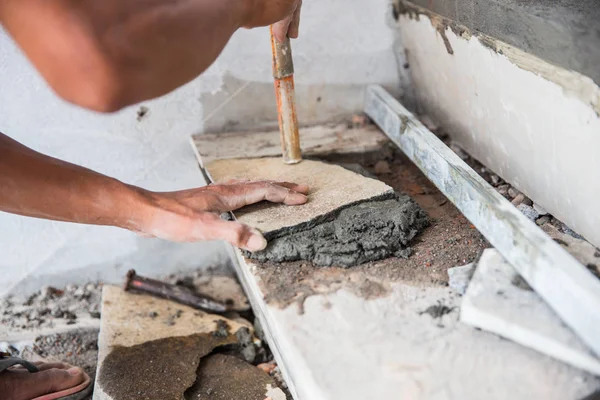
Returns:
(283,73)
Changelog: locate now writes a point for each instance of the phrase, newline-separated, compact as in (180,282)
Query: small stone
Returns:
(49,292)
(503,190)
(267,367)
(71,288)
(459,277)
(495,179)
(520,198)
(543,220)
(69,315)
(360,120)
(33,315)
(95,314)
(90,287)
(382,167)
(79,292)
(571,232)
(539,209)
(57,312)
(528,211)
(527,201)
(512,192)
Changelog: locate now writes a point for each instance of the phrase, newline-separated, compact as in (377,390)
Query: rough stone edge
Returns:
(472,315)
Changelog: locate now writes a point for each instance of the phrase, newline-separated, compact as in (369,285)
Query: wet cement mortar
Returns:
(358,234)
(447,241)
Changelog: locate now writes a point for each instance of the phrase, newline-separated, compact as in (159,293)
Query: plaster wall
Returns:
(534,124)
(334,59)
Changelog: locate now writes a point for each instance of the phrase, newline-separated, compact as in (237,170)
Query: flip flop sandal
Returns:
(78,392)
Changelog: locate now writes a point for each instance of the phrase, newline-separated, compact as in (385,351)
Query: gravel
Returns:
(45,307)
(528,211)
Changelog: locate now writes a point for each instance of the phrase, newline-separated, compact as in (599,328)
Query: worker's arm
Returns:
(107,54)
(36,185)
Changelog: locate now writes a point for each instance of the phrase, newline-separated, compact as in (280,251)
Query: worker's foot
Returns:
(61,379)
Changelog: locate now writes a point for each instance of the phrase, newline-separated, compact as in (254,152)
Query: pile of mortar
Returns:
(369,231)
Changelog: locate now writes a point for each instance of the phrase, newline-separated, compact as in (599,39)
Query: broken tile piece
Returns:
(331,188)
(226,377)
(496,303)
(459,277)
(582,250)
(144,340)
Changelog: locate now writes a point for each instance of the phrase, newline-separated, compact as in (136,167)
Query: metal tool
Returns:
(283,72)
(180,294)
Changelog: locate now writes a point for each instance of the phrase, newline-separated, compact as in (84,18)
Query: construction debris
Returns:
(221,288)
(459,277)
(51,308)
(528,211)
(498,301)
(177,293)
(146,339)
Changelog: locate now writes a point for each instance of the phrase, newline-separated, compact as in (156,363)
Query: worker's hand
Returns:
(284,15)
(193,215)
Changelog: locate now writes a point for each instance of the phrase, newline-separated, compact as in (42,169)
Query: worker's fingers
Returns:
(280,29)
(294,28)
(300,188)
(233,197)
(211,227)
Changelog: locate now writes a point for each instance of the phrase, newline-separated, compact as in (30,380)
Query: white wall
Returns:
(344,46)
(533,123)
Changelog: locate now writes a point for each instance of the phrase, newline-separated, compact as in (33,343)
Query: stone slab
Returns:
(498,300)
(331,188)
(132,320)
(316,140)
(342,346)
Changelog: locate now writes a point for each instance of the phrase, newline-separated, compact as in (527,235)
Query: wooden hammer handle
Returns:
(283,73)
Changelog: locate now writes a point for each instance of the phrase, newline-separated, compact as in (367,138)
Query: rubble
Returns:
(382,167)
(50,305)
(542,220)
(520,198)
(459,277)
(528,211)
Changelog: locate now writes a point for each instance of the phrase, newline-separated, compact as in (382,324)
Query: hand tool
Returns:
(283,73)
(180,294)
